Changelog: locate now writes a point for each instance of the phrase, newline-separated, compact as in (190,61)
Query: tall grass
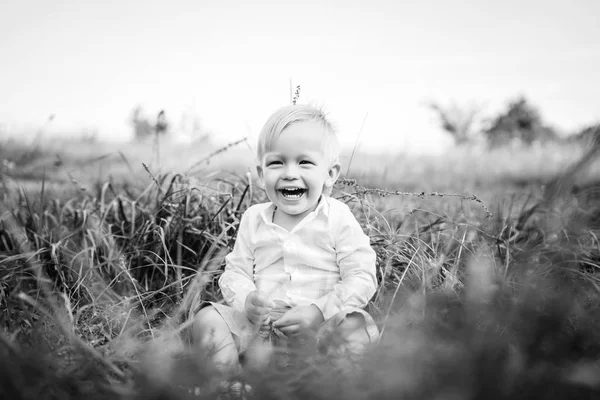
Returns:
(98,285)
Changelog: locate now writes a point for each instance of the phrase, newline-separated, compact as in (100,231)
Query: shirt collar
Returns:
(322,207)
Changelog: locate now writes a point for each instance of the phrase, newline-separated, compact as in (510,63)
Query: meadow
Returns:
(487,260)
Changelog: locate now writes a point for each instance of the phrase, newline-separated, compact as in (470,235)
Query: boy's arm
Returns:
(356,260)
(237,280)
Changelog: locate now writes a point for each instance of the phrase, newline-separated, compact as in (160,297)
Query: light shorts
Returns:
(244,331)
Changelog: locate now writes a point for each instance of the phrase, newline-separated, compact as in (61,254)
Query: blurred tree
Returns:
(142,128)
(459,122)
(521,122)
(589,135)
(161,123)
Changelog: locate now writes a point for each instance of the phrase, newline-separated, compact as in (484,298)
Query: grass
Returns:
(103,261)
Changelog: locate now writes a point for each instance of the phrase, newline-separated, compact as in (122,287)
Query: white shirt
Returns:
(326,260)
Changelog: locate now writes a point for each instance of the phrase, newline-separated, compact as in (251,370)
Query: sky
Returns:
(228,64)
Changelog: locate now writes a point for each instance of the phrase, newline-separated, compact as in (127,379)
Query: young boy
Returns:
(302,258)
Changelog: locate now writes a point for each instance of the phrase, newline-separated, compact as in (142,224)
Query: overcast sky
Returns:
(229,63)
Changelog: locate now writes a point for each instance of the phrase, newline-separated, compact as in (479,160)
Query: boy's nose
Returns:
(291,172)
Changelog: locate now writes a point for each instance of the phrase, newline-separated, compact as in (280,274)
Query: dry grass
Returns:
(101,272)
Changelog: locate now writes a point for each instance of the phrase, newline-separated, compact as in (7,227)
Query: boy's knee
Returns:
(211,336)
(353,327)
(353,335)
(350,339)
(208,323)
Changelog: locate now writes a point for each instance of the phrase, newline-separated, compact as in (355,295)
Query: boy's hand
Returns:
(298,319)
(258,307)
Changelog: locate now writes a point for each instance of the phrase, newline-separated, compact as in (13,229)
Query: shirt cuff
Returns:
(237,298)
(330,304)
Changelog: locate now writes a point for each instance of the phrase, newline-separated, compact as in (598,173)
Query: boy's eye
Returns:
(270,163)
(306,162)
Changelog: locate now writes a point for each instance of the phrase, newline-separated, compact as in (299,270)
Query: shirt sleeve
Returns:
(356,260)
(237,281)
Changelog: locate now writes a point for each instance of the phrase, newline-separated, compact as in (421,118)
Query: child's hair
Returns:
(286,116)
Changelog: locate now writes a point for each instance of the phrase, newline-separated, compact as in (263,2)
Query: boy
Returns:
(302,258)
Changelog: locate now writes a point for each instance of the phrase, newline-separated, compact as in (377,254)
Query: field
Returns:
(488,263)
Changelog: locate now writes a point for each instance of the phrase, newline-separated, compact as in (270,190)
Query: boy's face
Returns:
(296,169)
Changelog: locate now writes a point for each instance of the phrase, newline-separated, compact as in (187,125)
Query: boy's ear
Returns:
(259,170)
(334,174)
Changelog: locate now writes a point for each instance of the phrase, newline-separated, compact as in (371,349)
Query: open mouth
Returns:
(292,193)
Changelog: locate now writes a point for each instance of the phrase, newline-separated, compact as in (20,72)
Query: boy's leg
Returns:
(210,333)
(353,337)
(345,338)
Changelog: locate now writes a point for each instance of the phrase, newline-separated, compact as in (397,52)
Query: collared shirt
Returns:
(325,260)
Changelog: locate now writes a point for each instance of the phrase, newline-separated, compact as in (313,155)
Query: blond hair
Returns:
(286,116)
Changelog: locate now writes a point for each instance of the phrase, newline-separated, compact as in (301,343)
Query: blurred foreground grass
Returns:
(103,261)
